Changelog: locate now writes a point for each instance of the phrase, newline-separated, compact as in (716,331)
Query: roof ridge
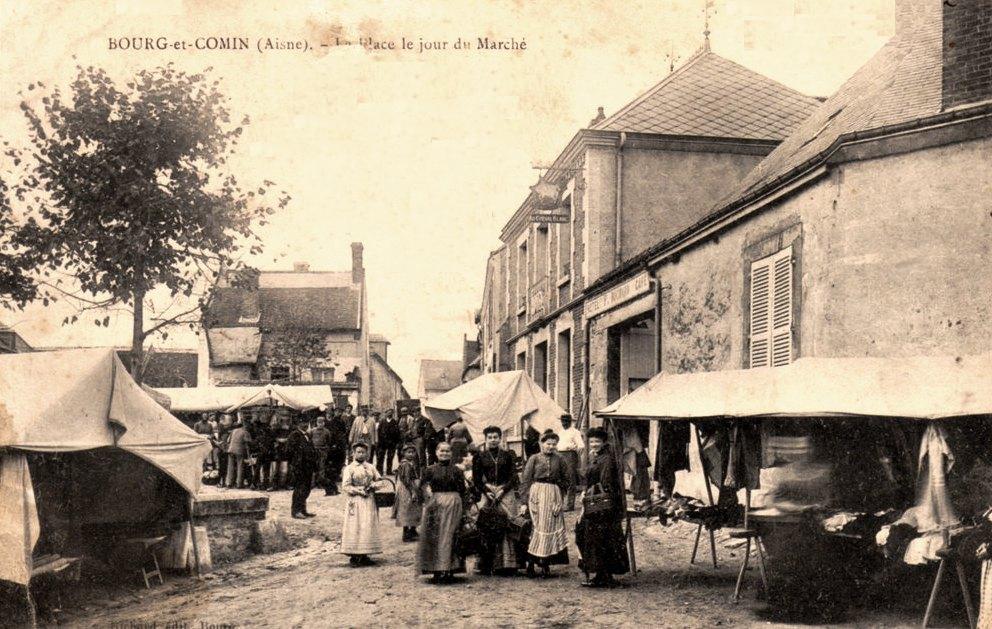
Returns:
(651,91)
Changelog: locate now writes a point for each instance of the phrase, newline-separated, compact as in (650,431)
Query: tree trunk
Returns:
(138,337)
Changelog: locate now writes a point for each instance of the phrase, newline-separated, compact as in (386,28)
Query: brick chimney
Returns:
(967,52)
(357,268)
(301,267)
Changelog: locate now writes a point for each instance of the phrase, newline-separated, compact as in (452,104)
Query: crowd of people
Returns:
(453,498)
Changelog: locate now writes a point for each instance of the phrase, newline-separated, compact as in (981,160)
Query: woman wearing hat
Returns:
(543,485)
(409,503)
(599,534)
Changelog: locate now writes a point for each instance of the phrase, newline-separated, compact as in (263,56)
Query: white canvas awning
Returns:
(301,398)
(205,399)
(83,399)
(929,387)
(500,399)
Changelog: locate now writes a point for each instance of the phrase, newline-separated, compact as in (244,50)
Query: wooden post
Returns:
(192,537)
(709,490)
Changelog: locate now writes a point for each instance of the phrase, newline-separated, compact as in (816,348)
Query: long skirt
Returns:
(406,511)
(438,527)
(500,550)
(548,540)
(360,532)
(602,544)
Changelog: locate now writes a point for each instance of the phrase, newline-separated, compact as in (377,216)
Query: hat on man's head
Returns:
(597,433)
(549,434)
(566,418)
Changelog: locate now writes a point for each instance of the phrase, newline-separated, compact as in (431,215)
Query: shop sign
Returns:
(556,215)
(634,287)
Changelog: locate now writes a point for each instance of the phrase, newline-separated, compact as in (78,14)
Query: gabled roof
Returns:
(440,375)
(710,96)
(901,83)
(318,301)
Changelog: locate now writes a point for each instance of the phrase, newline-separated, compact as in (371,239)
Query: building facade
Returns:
(437,377)
(625,182)
(866,232)
(293,327)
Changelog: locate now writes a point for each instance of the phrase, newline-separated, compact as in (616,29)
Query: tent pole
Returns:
(192,537)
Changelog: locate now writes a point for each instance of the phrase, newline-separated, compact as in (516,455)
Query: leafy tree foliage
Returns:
(17,287)
(129,190)
(297,350)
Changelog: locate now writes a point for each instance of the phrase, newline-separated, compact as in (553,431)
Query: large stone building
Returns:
(627,181)
(866,232)
(294,327)
(438,376)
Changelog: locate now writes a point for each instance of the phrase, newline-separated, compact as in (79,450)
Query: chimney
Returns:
(913,16)
(357,269)
(301,267)
(967,52)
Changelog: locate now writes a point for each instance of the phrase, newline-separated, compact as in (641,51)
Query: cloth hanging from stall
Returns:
(636,462)
(744,456)
(19,526)
(714,443)
(672,453)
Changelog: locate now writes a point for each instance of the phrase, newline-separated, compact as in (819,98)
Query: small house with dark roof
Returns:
(624,183)
(298,326)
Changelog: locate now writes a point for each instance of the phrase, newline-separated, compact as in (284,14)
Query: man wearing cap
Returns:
(363,430)
(569,445)
(303,463)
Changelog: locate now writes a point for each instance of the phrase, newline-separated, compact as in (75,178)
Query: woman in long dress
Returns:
(599,536)
(445,485)
(360,532)
(544,483)
(409,504)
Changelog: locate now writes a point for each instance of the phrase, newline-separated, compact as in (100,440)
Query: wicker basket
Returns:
(384,497)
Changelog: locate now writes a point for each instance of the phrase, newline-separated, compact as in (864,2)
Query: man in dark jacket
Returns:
(389,440)
(337,448)
(303,464)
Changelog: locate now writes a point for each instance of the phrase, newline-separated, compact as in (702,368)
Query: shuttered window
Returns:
(771,310)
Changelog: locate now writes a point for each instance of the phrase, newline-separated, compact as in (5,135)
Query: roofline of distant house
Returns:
(585,138)
(116,348)
(386,365)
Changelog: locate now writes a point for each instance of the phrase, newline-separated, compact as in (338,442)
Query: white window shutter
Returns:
(782,308)
(771,310)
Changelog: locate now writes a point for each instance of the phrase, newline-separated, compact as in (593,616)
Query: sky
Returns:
(420,155)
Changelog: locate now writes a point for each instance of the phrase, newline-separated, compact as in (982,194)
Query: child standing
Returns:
(409,502)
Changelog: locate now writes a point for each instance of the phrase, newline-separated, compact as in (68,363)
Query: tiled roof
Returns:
(440,375)
(334,307)
(901,83)
(711,96)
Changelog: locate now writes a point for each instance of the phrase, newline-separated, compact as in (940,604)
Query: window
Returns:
(322,374)
(771,311)
(541,365)
(523,282)
(279,372)
(540,253)
(563,370)
(521,361)
(565,242)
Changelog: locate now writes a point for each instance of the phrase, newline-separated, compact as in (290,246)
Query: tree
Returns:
(17,287)
(130,191)
(297,350)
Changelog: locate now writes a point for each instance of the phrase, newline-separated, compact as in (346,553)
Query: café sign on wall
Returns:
(622,293)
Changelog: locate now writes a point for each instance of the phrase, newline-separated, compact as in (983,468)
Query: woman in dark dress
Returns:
(447,492)
(599,536)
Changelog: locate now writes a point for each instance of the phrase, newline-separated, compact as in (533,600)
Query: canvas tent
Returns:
(227,399)
(919,387)
(300,398)
(499,399)
(78,401)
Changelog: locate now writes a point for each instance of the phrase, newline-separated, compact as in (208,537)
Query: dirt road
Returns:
(313,586)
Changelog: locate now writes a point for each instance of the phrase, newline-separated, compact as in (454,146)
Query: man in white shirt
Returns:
(569,445)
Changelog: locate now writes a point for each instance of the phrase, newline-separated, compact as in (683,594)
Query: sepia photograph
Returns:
(494,313)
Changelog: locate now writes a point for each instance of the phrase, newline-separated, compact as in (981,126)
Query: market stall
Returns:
(505,399)
(853,445)
(87,458)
